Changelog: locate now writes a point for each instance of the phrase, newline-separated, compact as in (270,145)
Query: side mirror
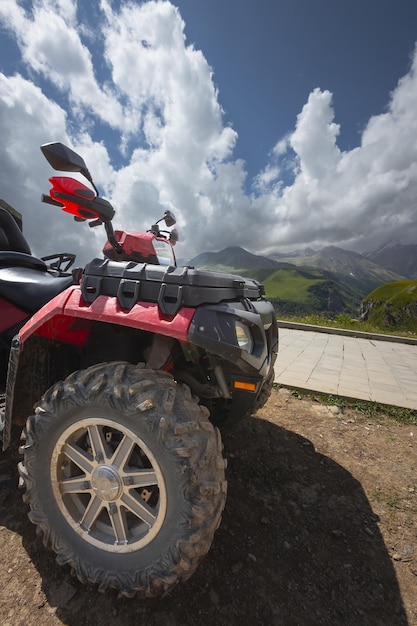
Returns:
(62,158)
(169,218)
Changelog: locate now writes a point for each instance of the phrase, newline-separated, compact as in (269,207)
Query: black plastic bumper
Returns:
(213,328)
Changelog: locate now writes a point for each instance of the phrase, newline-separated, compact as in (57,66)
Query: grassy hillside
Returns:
(357,271)
(400,293)
(334,281)
(291,284)
(301,291)
(393,305)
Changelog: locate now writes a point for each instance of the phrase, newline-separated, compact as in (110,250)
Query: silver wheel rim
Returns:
(108,485)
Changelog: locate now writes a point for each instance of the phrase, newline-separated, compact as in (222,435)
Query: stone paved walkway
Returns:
(365,369)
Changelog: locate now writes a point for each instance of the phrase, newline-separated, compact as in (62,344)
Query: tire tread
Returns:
(187,436)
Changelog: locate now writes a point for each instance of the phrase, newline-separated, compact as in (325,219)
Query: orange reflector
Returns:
(240,384)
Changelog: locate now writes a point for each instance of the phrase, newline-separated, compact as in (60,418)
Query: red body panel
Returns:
(62,318)
(9,315)
(133,242)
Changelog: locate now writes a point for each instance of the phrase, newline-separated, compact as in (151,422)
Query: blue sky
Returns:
(268,56)
(273,125)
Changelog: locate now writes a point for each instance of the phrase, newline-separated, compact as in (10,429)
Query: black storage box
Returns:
(171,287)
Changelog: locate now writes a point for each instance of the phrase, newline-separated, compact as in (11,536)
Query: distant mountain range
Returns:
(233,258)
(398,258)
(331,280)
(358,270)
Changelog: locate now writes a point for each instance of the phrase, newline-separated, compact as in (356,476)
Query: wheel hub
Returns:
(106,483)
(109,488)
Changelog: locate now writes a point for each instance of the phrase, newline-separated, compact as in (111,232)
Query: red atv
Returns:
(136,362)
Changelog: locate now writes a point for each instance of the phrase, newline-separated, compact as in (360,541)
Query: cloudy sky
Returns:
(272,125)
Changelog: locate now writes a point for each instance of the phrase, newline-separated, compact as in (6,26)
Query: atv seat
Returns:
(20,259)
(28,288)
(11,237)
(14,249)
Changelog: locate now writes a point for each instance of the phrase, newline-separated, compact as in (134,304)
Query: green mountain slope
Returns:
(354,269)
(302,291)
(333,282)
(392,305)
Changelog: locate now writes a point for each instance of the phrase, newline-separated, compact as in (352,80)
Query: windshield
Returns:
(164,252)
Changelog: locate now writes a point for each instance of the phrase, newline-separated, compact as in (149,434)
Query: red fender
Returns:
(66,317)
(10,315)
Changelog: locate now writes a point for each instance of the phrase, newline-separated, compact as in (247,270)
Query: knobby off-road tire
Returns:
(124,477)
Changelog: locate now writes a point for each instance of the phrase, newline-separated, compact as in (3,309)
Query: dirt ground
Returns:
(320,527)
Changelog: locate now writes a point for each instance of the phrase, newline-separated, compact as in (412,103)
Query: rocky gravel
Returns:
(319,528)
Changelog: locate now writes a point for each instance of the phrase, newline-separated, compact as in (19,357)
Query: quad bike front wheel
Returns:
(124,476)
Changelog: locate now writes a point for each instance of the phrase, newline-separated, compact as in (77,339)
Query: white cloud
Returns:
(155,97)
(51,47)
(314,139)
(360,198)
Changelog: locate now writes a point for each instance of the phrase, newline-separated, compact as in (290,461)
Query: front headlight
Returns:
(244,337)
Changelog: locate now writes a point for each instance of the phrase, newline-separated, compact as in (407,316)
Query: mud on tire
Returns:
(124,476)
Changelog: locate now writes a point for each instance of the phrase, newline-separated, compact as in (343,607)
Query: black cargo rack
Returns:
(170,287)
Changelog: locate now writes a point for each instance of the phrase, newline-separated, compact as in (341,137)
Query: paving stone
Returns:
(381,371)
